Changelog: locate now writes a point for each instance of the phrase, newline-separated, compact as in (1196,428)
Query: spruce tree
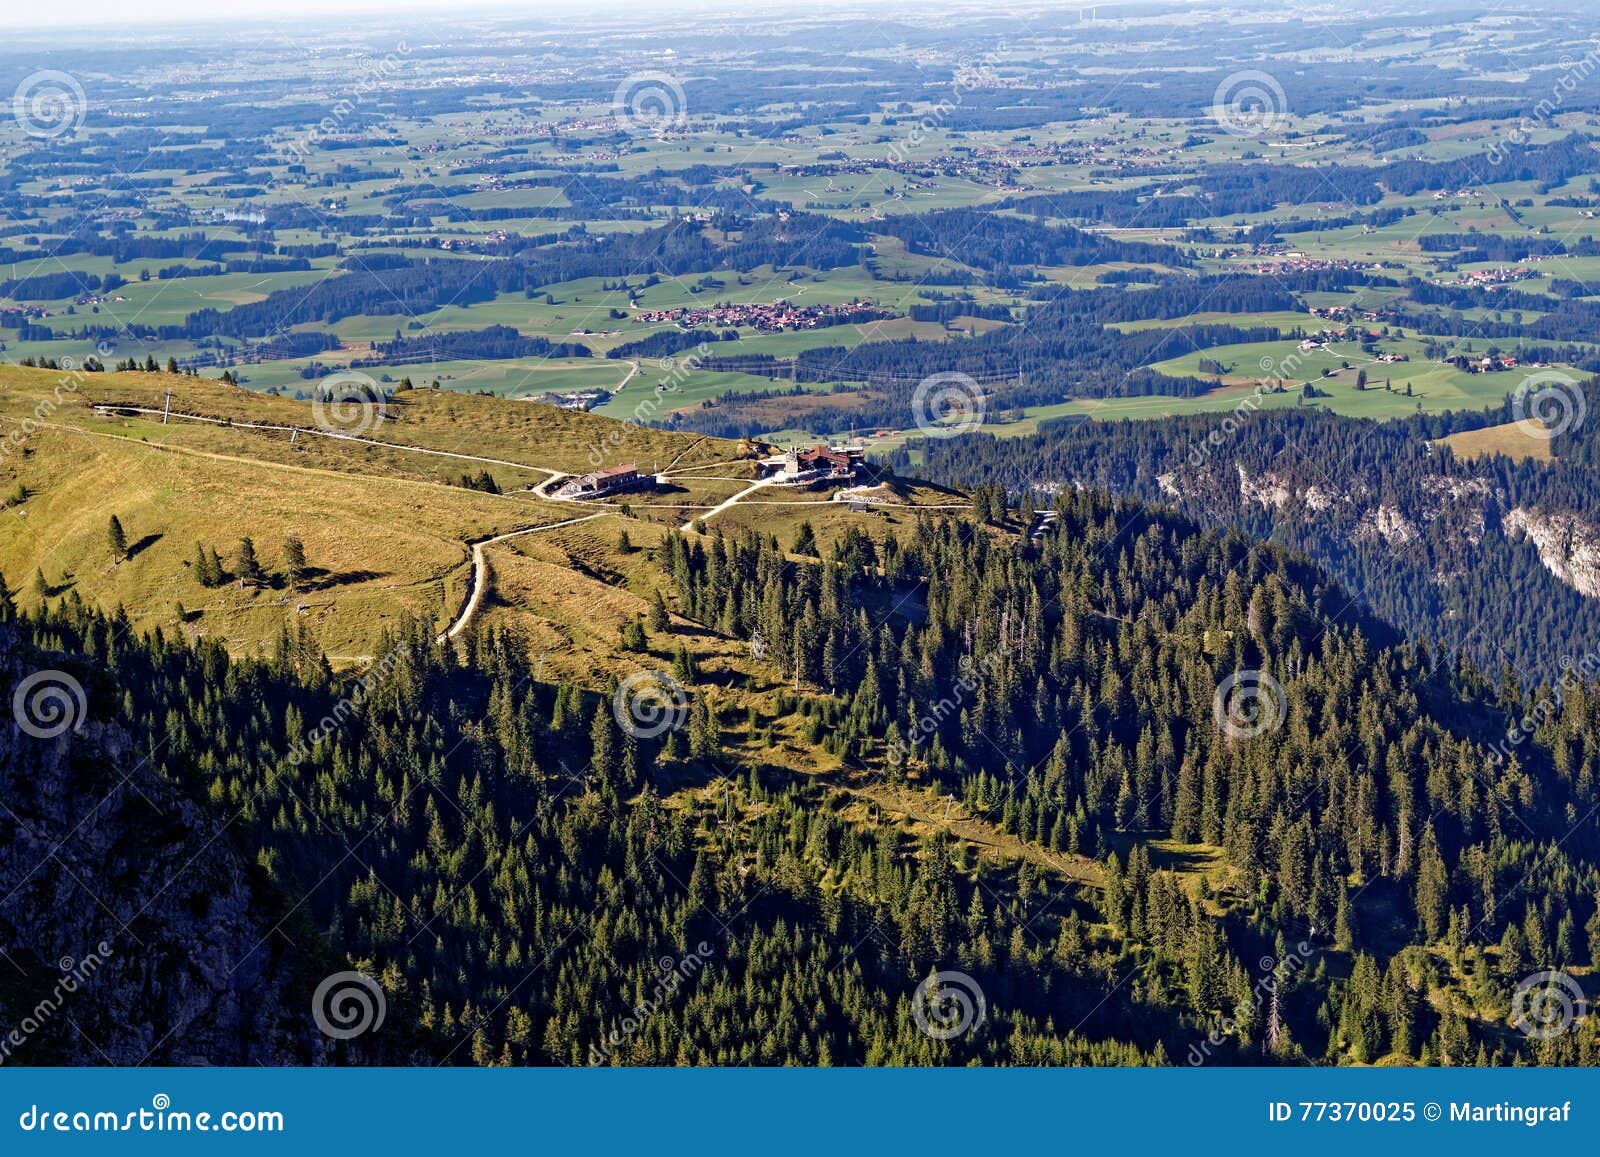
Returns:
(294,561)
(249,569)
(660,620)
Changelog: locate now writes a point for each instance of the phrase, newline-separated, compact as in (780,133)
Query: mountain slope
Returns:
(1489,556)
(1097,776)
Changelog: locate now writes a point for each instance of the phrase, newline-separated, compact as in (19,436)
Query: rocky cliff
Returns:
(131,926)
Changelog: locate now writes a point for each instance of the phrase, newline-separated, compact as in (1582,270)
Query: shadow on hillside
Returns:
(54,590)
(683,629)
(317,579)
(1182,860)
(143,545)
(906,487)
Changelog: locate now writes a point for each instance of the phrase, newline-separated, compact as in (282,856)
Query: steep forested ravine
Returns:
(1494,558)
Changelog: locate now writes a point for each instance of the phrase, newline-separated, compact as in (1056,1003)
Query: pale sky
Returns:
(103,13)
(96,15)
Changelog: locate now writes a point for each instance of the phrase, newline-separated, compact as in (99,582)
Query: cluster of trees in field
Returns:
(1005,246)
(1172,297)
(1476,246)
(244,566)
(50,286)
(600,191)
(1268,231)
(383,284)
(492,343)
(1563,321)
(199,256)
(1064,348)
(123,247)
(666,342)
(949,310)
(1231,188)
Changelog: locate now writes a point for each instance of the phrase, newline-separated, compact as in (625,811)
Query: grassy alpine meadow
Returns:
(1519,441)
(383,517)
(379,550)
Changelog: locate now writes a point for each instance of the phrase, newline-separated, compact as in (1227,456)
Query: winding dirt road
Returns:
(480,564)
(480,571)
(720,507)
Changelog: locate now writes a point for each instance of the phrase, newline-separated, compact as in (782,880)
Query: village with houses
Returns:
(1491,278)
(778,316)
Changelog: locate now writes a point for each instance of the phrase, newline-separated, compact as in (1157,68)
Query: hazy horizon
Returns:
(198,13)
(96,16)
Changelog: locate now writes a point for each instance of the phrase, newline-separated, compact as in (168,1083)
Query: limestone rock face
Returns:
(1569,546)
(131,929)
